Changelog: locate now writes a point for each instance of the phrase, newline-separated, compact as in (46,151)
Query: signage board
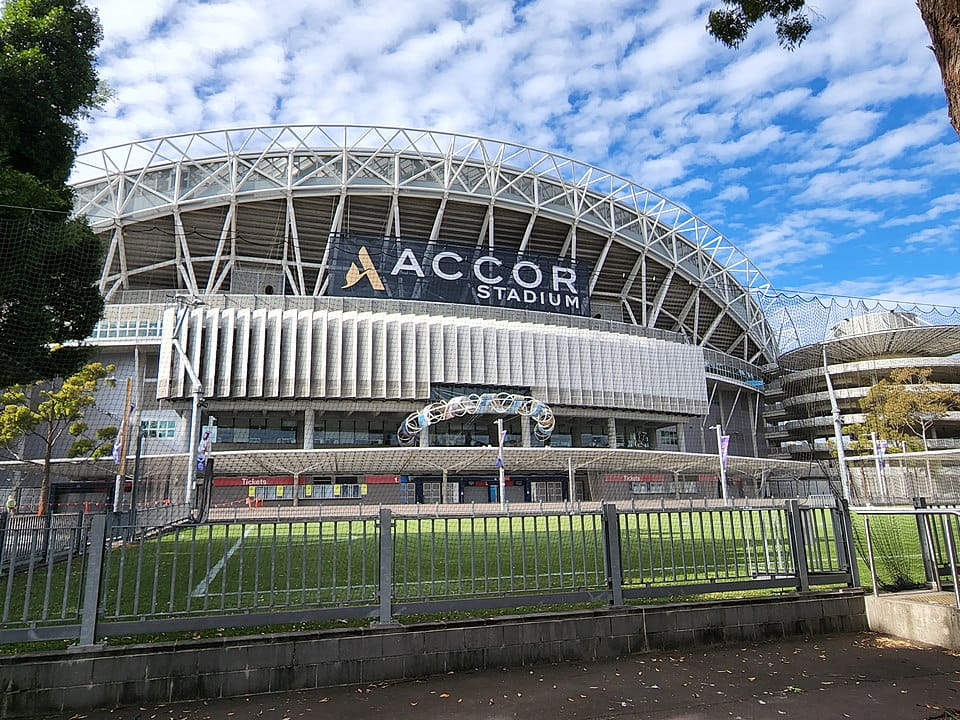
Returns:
(407,269)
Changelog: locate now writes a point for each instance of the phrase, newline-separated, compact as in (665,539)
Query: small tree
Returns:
(906,403)
(48,411)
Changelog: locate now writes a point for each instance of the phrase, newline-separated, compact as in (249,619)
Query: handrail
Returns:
(916,512)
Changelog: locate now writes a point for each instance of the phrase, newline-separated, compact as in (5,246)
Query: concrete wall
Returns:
(927,617)
(50,682)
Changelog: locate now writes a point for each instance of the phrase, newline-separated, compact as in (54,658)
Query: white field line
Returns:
(201,589)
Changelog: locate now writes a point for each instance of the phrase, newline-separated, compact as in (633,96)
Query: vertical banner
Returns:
(724,447)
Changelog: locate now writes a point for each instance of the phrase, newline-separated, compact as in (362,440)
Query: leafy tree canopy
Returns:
(49,80)
(906,405)
(49,263)
(732,23)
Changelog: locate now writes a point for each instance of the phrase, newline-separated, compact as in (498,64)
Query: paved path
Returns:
(844,676)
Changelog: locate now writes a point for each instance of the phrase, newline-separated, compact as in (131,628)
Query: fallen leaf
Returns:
(444,695)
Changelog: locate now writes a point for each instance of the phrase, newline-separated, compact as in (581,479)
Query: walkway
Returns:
(864,676)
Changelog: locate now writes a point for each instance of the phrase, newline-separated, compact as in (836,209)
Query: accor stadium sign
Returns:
(381,267)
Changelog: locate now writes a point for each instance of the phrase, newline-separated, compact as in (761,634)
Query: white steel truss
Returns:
(162,178)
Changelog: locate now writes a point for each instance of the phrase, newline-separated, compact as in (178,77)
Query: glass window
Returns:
(159,428)
(593,435)
(257,429)
(460,433)
(335,430)
(431,492)
(562,435)
(632,435)
(667,437)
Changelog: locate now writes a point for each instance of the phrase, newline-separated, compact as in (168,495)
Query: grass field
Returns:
(236,568)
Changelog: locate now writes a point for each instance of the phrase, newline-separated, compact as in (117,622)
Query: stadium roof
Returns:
(197,210)
(923,341)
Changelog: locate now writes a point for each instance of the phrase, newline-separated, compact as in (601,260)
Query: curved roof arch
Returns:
(667,267)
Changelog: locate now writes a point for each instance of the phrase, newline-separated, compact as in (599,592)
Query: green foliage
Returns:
(905,406)
(45,411)
(49,264)
(49,80)
(732,23)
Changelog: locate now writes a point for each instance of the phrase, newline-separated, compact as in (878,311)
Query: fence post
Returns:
(931,573)
(849,546)
(91,588)
(386,566)
(798,545)
(611,542)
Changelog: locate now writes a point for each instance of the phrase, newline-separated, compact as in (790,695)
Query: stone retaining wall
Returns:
(86,679)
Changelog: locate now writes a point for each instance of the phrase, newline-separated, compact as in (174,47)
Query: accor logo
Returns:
(369,271)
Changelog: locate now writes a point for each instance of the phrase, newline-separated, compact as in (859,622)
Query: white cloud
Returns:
(848,127)
(939,206)
(931,239)
(835,186)
(794,153)
(895,142)
(734,192)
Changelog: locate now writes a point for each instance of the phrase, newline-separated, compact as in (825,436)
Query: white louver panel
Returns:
(369,355)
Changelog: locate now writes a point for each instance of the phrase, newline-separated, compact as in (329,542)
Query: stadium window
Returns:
(632,436)
(159,428)
(562,435)
(593,435)
(667,437)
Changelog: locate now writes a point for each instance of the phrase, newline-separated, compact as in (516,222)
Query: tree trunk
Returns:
(45,477)
(942,18)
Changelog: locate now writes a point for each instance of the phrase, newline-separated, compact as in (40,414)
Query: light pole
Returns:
(499,423)
(722,441)
(837,431)
(185,305)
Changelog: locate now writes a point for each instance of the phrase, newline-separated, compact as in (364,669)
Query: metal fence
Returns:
(122,579)
(25,537)
(938,535)
(898,478)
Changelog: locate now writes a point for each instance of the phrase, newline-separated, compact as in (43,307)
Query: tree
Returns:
(48,412)
(49,79)
(49,263)
(906,403)
(732,23)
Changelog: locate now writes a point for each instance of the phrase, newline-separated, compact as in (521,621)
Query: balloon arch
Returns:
(487,403)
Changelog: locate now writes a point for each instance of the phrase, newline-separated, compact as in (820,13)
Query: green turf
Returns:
(234,568)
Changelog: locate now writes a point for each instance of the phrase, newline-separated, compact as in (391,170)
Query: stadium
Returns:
(308,289)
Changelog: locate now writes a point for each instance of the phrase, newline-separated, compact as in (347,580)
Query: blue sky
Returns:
(834,168)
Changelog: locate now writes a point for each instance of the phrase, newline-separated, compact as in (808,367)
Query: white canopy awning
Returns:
(433,461)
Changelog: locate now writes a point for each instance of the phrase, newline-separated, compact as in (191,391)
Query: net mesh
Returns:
(861,340)
(60,312)
(799,319)
(50,303)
